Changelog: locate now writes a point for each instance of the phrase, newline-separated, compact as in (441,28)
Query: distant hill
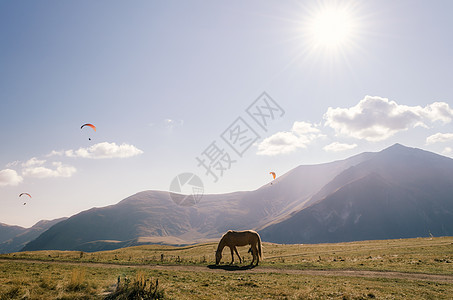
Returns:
(8,231)
(398,192)
(152,217)
(20,236)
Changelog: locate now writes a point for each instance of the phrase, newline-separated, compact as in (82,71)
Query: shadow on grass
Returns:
(231,267)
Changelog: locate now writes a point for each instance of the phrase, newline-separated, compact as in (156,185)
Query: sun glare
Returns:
(331,27)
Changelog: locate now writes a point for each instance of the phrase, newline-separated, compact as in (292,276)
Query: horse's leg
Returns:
(232,256)
(236,250)
(252,250)
(255,254)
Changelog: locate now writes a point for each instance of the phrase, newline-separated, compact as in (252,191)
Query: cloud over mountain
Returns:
(9,177)
(372,119)
(376,118)
(33,162)
(58,169)
(43,168)
(105,150)
(439,138)
(300,136)
(337,147)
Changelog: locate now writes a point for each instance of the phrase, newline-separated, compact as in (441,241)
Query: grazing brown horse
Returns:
(240,238)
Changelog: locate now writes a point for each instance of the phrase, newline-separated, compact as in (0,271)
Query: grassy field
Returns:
(79,275)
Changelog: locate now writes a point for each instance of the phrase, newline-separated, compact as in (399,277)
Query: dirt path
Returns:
(247,269)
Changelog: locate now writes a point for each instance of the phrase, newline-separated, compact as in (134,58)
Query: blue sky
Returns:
(163,80)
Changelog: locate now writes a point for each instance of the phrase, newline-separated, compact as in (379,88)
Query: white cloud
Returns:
(33,162)
(302,128)
(13,164)
(337,147)
(437,111)
(376,118)
(439,138)
(300,136)
(35,168)
(170,123)
(279,143)
(9,177)
(59,170)
(447,151)
(105,150)
(55,153)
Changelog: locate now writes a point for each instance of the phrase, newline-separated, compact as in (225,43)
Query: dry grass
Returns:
(22,279)
(422,255)
(77,281)
(142,287)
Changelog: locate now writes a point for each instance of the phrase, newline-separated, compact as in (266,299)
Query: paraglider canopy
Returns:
(90,125)
(273,174)
(25,194)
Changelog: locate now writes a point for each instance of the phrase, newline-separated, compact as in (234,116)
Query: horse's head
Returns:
(218,257)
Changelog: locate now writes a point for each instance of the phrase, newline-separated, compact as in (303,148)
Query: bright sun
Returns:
(331,27)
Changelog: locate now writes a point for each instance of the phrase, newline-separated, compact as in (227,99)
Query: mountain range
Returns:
(399,192)
(14,238)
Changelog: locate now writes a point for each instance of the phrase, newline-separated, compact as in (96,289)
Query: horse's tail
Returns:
(259,246)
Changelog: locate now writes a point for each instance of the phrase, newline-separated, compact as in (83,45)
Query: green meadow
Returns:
(419,268)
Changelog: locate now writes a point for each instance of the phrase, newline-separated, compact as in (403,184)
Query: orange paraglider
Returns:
(273,175)
(89,125)
(25,194)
